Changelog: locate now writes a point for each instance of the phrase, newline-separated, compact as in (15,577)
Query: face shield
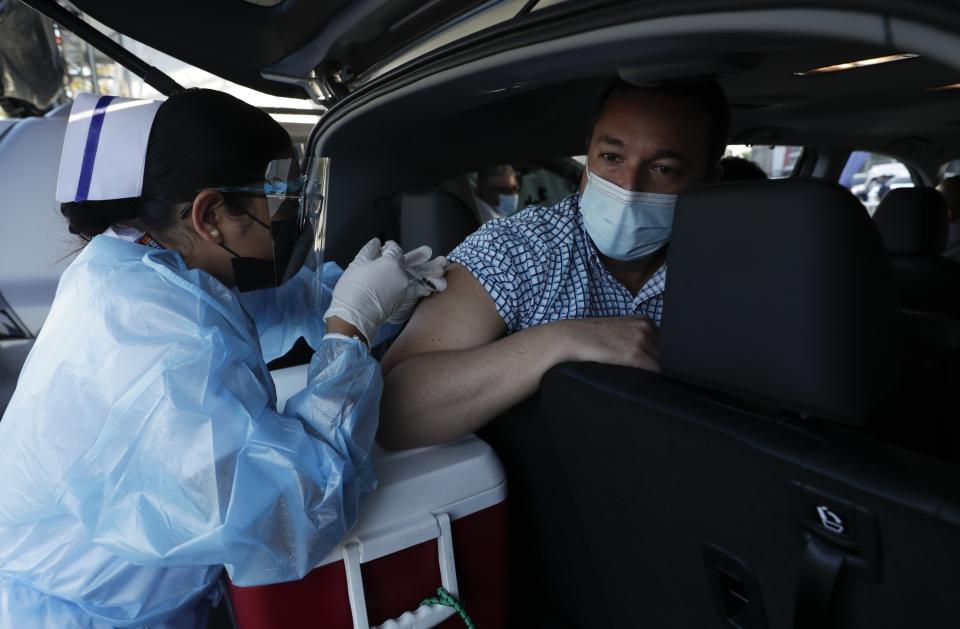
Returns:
(295,199)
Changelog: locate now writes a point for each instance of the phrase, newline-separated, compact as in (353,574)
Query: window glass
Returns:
(775,161)
(870,176)
(547,183)
(89,70)
(950,169)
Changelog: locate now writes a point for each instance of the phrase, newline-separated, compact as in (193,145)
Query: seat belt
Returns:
(820,567)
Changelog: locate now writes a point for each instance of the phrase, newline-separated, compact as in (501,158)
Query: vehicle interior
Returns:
(797,462)
(691,498)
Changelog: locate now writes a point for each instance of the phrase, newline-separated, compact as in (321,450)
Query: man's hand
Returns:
(625,341)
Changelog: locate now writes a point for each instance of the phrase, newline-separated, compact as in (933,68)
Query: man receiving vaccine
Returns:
(582,280)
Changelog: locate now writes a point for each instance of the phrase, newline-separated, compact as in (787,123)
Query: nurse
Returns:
(143,450)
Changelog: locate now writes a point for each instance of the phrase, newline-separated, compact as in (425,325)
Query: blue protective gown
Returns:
(142,450)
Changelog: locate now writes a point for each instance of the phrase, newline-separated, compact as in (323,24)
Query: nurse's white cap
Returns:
(105,148)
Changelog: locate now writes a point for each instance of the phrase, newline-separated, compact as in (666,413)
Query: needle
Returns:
(419,277)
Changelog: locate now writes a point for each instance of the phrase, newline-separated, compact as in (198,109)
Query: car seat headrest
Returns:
(436,218)
(781,290)
(912,221)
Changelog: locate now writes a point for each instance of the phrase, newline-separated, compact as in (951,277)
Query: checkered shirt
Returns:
(540,265)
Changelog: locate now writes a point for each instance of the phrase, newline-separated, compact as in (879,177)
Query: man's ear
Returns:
(206,216)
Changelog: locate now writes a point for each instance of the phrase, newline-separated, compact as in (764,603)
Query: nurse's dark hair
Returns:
(199,139)
(709,96)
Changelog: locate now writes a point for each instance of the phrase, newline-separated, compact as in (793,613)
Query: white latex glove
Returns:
(376,287)
(429,279)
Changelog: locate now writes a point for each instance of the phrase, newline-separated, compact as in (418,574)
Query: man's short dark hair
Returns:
(708,95)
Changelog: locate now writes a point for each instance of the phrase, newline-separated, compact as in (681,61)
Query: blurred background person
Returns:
(497,193)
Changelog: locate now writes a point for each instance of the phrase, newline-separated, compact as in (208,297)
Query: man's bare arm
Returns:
(461,317)
(450,371)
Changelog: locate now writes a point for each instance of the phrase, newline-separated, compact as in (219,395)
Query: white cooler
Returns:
(437,518)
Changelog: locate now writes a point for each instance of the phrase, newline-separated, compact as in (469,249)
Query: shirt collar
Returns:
(657,282)
(592,248)
(653,286)
(487,211)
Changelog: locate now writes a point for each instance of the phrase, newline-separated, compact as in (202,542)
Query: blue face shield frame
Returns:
(295,199)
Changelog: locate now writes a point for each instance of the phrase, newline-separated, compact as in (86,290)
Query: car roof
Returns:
(547,90)
(256,42)
(890,108)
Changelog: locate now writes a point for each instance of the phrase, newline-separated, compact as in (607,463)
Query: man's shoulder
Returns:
(532,228)
(540,218)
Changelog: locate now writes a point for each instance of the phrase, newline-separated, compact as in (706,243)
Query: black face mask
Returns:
(253,273)
(257,273)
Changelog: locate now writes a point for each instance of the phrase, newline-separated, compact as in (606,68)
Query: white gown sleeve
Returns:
(282,315)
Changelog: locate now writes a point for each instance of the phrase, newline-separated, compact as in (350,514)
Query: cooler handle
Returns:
(425,616)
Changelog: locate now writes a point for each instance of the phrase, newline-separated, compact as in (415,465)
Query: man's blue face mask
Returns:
(625,225)
(508,204)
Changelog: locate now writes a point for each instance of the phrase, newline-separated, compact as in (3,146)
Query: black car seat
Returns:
(912,223)
(435,217)
(742,488)
(913,226)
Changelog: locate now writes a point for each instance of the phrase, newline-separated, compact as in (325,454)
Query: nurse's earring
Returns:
(214,233)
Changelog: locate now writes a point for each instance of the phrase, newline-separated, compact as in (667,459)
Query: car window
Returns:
(870,176)
(88,70)
(547,184)
(950,169)
(776,161)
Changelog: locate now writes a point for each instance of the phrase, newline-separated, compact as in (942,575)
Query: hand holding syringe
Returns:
(383,285)
(427,278)
(433,282)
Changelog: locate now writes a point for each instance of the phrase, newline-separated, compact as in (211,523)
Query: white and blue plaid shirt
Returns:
(540,265)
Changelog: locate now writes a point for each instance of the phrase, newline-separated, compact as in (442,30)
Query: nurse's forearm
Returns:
(441,396)
(336,325)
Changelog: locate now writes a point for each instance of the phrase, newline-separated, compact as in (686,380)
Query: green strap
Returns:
(446,598)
